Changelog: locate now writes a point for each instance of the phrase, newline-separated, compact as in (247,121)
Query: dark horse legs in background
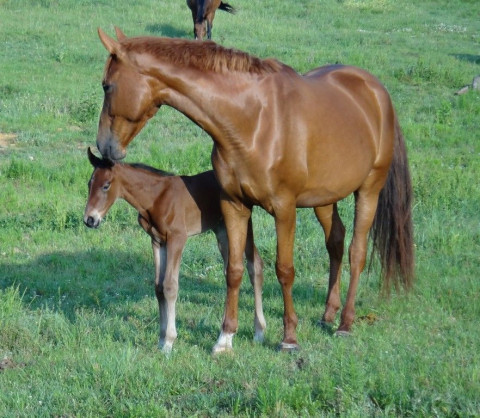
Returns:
(203,12)
(282,141)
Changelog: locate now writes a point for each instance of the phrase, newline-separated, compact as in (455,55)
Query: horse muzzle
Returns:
(111,150)
(91,222)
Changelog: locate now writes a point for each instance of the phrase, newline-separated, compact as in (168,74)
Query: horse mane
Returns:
(151,169)
(204,56)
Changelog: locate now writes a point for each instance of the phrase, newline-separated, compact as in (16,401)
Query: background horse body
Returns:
(203,12)
(170,209)
(281,141)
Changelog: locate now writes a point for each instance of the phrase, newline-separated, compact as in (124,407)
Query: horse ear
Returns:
(110,44)
(120,35)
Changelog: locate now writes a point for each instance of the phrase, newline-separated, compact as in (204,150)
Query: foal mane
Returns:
(204,56)
(151,169)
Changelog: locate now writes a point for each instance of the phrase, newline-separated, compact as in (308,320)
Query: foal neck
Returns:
(140,185)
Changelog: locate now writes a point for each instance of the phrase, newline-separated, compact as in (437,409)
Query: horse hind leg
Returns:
(366,199)
(334,239)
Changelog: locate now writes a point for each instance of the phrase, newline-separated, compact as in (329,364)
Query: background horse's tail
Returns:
(227,8)
(392,230)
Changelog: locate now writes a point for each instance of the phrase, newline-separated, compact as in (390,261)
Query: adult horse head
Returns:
(281,141)
(128,102)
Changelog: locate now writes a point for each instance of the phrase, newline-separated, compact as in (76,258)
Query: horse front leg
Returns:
(255,272)
(334,239)
(236,220)
(209,20)
(285,227)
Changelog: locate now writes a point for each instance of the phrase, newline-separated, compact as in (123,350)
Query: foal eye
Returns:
(106,186)
(107,88)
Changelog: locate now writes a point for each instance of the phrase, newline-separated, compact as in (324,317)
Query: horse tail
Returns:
(227,8)
(392,229)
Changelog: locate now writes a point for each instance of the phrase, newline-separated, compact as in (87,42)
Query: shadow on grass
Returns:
(159,29)
(474,59)
(121,284)
(97,279)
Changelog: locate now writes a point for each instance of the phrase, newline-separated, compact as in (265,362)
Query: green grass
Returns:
(78,315)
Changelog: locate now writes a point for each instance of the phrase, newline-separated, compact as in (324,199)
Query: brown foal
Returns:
(170,209)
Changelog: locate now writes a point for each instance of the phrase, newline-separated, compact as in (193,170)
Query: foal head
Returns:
(102,190)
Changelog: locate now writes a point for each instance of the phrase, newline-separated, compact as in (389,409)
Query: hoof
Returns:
(219,350)
(325,325)
(340,333)
(165,346)
(224,344)
(259,337)
(288,347)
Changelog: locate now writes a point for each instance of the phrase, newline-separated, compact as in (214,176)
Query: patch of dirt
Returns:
(7,140)
(8,363)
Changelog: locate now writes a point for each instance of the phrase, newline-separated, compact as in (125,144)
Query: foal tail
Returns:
(392,230)
(227,8)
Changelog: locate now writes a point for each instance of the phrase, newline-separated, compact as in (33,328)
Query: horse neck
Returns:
(139,187)
(206,99)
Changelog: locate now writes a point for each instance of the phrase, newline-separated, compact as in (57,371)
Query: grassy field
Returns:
(78,315)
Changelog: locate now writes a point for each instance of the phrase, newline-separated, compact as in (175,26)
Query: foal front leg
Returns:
(236,221)
(167,262)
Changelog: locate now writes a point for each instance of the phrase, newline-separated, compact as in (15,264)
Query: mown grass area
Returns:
(78,315)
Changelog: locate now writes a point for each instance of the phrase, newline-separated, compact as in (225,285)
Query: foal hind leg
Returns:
(255,272)
(366,200)
(334,239)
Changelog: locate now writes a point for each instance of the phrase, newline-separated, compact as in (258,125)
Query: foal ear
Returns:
(120,35)
(98,162)
(94,160)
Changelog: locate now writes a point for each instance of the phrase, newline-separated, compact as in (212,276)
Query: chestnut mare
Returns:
(203,12)
(281,141)
(170,209)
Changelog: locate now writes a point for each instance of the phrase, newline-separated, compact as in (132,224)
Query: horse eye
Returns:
(107,88)
(106,186)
